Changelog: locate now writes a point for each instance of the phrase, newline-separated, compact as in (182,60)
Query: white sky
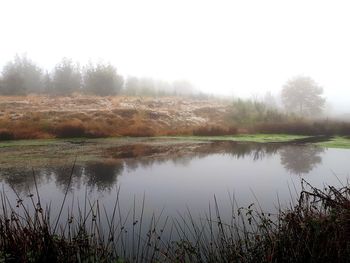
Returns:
(240,48)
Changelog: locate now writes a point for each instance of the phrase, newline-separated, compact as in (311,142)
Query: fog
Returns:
(233,48)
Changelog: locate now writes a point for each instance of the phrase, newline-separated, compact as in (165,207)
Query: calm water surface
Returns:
(181,177)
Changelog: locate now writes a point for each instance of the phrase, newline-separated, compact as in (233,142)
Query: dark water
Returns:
(175,178)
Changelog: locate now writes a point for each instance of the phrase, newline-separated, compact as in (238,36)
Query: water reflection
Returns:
(300,159)
(103,175)
(20,180)
(62,176)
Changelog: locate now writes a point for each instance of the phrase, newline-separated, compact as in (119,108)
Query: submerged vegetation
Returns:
(315,229)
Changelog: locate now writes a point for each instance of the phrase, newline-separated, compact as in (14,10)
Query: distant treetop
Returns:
(302,95)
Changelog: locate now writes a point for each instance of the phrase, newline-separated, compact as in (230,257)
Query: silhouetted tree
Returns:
(21,76)
(303,95)
(66,78)
(102,80)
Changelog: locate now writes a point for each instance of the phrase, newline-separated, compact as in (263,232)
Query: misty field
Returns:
(43,117)
(34,117)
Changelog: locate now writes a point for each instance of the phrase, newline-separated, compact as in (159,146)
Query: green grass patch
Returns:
(37,142)
(259,138)
(336,142)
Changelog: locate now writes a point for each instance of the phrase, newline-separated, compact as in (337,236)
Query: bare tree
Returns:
(303,95)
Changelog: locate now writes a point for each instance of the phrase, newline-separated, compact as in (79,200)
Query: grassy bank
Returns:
(45,117)
(259,138)
(332,142)
(336,142)
(314,230)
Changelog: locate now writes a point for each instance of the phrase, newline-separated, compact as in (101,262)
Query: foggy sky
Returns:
(239,48)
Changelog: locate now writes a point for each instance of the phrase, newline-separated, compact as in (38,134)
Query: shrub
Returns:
(328,128)
(98,129)
(6,135)
(70,129)
(250,112)
(344,129)
(298,128)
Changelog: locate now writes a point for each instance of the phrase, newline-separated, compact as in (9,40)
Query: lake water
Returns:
(175,179)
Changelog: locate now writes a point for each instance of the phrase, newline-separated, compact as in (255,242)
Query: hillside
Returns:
(47,117)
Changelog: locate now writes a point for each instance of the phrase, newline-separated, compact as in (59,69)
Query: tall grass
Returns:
(316,229)
(315,128)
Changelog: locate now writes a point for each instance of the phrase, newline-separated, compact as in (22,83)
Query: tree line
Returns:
(22,76)
(300,95)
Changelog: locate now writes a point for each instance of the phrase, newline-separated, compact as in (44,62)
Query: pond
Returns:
(173,179)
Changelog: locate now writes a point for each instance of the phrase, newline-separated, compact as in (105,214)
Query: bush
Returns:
(250,112)
(344,129)
(297,128)
(6,135)
(70,129)
(328,128)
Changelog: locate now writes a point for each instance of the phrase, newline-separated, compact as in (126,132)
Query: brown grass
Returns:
(34,117)
(139,130)
(31,117)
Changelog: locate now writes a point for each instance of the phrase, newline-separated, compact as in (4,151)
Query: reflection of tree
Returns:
(63,176)
(258,151)
(183,154)
(300,159)
(103,175)
(22,180)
